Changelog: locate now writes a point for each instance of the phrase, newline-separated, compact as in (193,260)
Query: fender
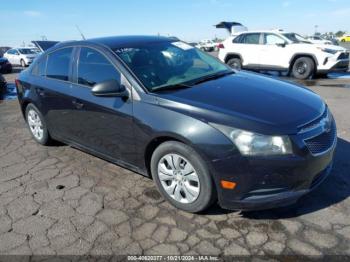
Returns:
(303,54)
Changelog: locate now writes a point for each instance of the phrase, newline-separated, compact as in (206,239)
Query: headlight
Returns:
(253,144)
(328,50)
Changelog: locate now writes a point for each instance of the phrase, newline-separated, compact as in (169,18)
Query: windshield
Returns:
(295,38)
(26,51)
(169,63)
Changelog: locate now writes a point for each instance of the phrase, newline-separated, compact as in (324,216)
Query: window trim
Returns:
(69,68)
(75,70)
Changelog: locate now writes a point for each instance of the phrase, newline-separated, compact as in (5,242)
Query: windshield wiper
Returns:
(211,77)
(169,87)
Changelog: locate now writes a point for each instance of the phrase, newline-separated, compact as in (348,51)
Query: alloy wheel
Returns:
(35,124)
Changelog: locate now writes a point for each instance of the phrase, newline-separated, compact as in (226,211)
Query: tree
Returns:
(339,33)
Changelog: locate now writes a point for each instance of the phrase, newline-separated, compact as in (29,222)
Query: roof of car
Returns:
(123,41)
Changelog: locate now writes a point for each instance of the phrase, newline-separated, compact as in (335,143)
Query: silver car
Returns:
(23,56)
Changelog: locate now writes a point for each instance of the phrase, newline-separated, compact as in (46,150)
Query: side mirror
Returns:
(282,44)
(110,88)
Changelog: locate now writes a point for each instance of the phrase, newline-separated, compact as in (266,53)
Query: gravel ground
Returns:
(59,200)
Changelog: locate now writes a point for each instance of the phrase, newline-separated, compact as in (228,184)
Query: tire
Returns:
(41,136)
(23,64)
(235,63)
(303,68)
(343,40)
(200,195)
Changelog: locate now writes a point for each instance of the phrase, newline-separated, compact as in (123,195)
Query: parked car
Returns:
(23,56)
(207,45)
(318,40)
(5,66)
(164,109)
(3,50)
(43,45)
(344,38)
(282,51)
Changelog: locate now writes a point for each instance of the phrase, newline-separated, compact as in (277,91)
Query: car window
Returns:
(252,39)
(272,39)
(238,39)
(58,64)
(93,68)
(168,63)
(39,67)
(26,51)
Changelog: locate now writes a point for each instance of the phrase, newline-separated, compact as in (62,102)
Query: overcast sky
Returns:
(190,20)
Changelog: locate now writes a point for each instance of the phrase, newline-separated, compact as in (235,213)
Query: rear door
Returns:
(54,90)
(247,45)
(102,124)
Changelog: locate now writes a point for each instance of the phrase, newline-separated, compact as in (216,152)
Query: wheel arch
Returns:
(154,143)
(298,55)
(233,55)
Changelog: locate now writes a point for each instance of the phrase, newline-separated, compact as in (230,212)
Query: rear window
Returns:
(58,64)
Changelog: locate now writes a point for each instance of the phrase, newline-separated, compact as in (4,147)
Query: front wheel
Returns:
(303,68)
(182,177)
(23,64)
(235,63)
(37,125)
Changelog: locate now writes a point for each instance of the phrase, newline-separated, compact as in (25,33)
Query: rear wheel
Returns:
(343,40)
(235,63)
(303,68)
(182,177)
(37,125)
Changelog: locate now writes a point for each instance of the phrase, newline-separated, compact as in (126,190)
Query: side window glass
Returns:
(93,68)
(40,67)
(238,39)
(58,64)
(271,39)
(252,39)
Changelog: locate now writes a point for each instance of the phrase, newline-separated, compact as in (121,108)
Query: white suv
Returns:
(276,50)
(21,56)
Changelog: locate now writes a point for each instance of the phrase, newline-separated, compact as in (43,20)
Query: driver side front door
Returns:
(274,52)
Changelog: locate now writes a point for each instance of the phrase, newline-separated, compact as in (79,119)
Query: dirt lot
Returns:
(59,200)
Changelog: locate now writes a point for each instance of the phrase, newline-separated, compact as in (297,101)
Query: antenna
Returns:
(82,35)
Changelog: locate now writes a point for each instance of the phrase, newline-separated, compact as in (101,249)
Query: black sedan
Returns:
(164,109)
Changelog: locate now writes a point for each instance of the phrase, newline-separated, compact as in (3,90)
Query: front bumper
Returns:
(337,63)
(275,181)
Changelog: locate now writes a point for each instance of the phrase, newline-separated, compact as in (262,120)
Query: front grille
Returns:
(314,123)
(344,56)
(322,142)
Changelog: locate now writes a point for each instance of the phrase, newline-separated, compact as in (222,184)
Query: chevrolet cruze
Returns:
(202,131)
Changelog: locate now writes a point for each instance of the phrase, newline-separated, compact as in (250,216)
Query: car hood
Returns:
(314,46)
(248,101)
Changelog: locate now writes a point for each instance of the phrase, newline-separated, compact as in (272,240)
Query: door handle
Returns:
(77,104)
